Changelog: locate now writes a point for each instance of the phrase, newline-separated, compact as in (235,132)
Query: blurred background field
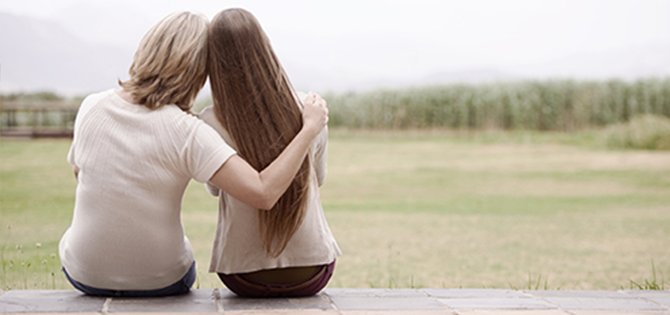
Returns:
(416,207)
(635,112)
(477,144)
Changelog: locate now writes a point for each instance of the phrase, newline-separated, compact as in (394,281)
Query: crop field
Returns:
(413,208)
(560,105)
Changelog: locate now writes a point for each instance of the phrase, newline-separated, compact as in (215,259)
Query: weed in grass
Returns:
(392,274)
(2,254)
(649,285)
(26,267)
(533,284)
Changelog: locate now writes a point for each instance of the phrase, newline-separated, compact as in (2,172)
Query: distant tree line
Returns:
(529,105)
(562,105)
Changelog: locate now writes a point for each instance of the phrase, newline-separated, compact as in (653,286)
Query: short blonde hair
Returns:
(170,64)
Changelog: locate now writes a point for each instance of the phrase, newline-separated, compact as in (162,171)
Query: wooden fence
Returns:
(37,119)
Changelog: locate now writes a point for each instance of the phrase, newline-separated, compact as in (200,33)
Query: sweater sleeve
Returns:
(205,152)
(85,106)
(212,190)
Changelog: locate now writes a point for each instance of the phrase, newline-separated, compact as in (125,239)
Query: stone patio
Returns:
(351,302)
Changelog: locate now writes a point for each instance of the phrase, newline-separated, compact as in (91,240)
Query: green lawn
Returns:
(421,209)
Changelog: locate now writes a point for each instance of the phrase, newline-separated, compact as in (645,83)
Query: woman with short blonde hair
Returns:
(134,152)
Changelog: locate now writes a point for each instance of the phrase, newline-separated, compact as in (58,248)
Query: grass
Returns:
(654,284)
(429,208)
(533,284)
(648,132)
(448,209)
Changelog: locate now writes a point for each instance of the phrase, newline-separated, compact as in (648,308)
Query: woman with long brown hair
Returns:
(287,250)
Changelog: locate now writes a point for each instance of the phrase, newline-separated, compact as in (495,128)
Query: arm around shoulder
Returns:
(262,189)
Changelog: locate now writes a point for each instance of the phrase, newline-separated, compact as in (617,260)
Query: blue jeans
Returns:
(180,287)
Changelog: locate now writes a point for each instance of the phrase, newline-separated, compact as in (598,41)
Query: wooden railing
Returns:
(37,119)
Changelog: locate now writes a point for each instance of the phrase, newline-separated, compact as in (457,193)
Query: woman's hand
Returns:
(314,113)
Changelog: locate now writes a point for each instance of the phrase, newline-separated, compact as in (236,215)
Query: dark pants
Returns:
(246,287)
(180,287)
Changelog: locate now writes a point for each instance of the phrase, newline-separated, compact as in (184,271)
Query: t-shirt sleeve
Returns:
(321,156)
(83,109)
(205,152)
(70,155)
(212,190)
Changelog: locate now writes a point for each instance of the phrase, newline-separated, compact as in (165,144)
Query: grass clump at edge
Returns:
(646,132)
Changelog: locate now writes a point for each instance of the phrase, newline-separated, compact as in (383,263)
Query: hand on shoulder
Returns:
(314,113)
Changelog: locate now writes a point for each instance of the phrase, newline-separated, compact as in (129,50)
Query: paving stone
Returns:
(22,301)
(283,312)
(588,303)
(232,302)
(473,293)
(385,303)
(147,313)
(650,293)
(398,312)
(382,299)
(611,312)
(375,293)
(194,301)
(513,312)
(496,303)
(352,302)
(577,293)
(660,297)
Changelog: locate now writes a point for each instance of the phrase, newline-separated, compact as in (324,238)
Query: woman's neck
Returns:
(125,95)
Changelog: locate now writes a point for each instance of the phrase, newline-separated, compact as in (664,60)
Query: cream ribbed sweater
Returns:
(135,164)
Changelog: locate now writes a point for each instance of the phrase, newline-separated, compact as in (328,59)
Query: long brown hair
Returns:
(255,102)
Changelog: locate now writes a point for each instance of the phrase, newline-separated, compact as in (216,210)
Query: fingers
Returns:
(315,112)
(311,96)
(324,106)
(315,99)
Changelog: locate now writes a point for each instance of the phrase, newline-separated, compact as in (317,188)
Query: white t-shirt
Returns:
(238,247)
(134,165)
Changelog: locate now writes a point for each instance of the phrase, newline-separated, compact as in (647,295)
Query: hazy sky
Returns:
(388,39)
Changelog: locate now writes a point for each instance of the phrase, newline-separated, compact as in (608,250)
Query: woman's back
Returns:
(134,164)
(238,247)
